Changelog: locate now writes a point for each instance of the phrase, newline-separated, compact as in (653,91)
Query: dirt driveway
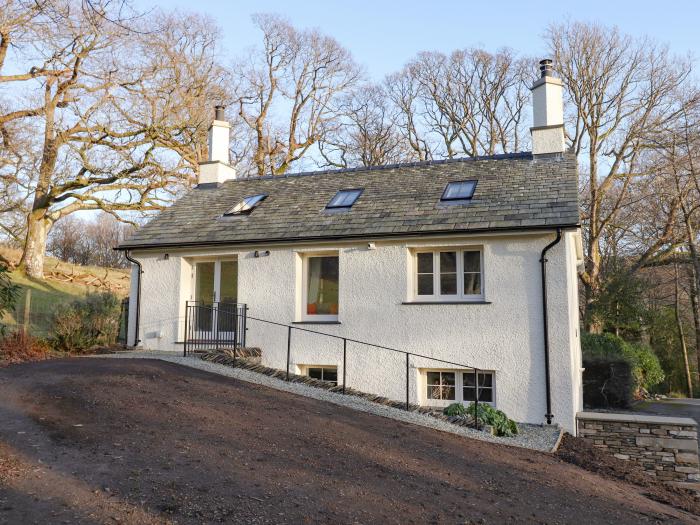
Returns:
(141,441)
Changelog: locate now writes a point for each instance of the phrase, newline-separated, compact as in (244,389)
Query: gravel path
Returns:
(536,437)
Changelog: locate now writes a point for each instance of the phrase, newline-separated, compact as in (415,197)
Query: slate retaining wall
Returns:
(667,447)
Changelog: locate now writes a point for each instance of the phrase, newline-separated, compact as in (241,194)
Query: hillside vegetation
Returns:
(63,283)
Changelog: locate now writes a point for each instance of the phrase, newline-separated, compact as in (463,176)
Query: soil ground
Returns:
(91,440)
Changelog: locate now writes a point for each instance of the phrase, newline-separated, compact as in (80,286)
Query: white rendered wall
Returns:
(505,336)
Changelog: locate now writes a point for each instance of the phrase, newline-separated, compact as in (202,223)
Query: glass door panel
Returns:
(204,294)
(228,295)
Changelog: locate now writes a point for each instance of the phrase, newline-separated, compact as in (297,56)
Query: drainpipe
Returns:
(138,296)
(545,323)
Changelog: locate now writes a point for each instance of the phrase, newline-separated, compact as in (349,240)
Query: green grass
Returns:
(63,284)
(44,298)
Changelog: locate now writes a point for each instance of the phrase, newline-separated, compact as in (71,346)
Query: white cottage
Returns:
(469,265)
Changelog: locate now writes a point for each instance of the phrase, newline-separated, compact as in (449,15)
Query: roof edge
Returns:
(415,164)
(429,233)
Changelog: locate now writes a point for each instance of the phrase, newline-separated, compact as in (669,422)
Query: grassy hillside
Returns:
(63,283)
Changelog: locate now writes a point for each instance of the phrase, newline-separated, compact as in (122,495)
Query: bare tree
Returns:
(621,94)
(470,102)
(678,159)
(286,92)
(118,107)
(89,241)
(367,134)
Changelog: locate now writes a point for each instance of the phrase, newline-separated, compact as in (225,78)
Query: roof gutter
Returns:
(545,323)
(370,235)
(138,296)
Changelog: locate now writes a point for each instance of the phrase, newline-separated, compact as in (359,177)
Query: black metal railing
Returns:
(408,355)
(214,326)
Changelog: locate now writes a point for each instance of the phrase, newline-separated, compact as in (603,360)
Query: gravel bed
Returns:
(536,437)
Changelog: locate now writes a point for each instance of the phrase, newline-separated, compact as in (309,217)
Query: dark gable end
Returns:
(514,192)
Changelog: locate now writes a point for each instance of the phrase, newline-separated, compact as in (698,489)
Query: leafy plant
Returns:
(502,425)
(8,294)
(646,369)
(455,409)
(85,323)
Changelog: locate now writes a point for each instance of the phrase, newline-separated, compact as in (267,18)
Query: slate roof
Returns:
(514,192)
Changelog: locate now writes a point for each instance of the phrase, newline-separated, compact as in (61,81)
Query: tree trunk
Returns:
(32,262)
(681,335)
(695,303)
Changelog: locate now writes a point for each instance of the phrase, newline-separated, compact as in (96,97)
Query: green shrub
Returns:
(8,294)
(85,323)
(645,367)
(488,415)
(455,409)
(608,382)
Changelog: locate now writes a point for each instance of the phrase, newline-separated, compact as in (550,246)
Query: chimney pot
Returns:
(546,68)
(217,169)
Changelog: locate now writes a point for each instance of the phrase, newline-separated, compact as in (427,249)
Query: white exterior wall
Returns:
(505,336)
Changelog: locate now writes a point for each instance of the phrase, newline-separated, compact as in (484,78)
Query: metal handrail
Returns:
(345,342)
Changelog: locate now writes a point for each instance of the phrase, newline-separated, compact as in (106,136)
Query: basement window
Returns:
(459,190)
(247,204)
(323,373)
(443,387)
(344,199)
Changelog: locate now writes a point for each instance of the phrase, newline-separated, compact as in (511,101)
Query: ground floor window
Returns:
(443,387)
(324,373)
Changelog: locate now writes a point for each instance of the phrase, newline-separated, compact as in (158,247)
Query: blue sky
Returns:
(383,34)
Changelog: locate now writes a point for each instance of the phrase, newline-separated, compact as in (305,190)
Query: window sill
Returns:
(445,302)
(316,322)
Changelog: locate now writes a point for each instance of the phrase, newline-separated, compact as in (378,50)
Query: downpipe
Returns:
(545,323)
(138,296)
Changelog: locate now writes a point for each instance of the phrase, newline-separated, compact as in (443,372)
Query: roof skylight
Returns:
(344,198)
(247,204)
(459,190)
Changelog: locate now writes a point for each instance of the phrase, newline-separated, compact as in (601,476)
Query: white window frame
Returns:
(459,387)
(305,287)
(305,371)
(437,296)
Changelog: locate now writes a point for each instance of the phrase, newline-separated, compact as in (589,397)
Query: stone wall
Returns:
(667,447)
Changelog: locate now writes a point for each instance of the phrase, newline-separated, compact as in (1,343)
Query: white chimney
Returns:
(547,112)
(217,169)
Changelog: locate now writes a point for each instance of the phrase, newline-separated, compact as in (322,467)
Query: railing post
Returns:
(244,329)
(345,351)
(407,373)
(187,311)
(289,349)
(476,398)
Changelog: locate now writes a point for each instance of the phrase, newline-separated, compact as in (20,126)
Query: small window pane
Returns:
(330,374)
(425,274)
(472,284)
(472,262)
(425,263)
(441,385)
(459,190)
(425,284)
(316,373)
(344,199)
(322,286)
(448,262)
(448,284)
(247,204)
(485,387)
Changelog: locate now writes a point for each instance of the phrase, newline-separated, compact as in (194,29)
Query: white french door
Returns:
(215,285)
